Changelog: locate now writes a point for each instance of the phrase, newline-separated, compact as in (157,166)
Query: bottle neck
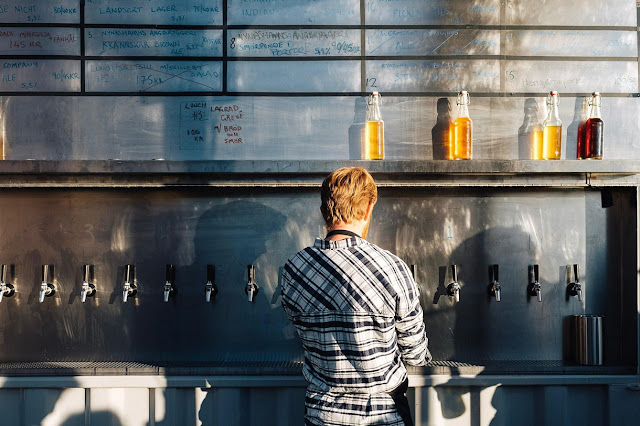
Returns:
(554,116)
(373,112)
(463,110)
(595,111)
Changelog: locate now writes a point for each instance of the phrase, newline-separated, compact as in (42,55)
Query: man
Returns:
(357,310)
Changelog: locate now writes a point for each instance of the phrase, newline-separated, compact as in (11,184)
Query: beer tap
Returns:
(251,288)
(6,289)
(494,287)
(453,289)
(129,288)
(88,289)
(169,289)
(210,289)
(534,287)
(574,288)
(47,289)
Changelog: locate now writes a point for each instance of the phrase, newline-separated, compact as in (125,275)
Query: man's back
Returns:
(356,308)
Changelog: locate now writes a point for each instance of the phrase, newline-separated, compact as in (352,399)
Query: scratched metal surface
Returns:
(291,128)
(189,228)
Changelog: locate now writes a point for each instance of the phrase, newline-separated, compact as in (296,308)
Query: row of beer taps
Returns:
(534,289)
(129,287)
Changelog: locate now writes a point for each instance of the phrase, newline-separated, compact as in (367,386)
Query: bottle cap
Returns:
(553,93)
(595,94)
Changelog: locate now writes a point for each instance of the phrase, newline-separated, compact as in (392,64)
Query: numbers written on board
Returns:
(371,82)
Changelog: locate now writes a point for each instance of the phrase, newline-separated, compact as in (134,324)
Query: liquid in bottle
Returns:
(594,130)
(552,130)
(373,148)
(462,130)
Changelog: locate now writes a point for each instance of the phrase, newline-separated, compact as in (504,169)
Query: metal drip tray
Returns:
(282,367)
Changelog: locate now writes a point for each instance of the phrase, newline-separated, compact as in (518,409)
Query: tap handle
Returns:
(495,273)
(414,271)
(128,273)
(536,273)
(576,272)
(86,273)
(45,273)
(211,273)
(170,273)
(3,273)
(251,272)
(454,272)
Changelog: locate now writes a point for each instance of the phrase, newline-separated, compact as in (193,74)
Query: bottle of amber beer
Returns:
(462,130)
(373,148)
(552,130)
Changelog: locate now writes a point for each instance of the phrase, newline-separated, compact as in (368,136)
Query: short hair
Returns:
(345,195)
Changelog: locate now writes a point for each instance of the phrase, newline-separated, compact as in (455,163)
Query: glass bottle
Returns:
(441,133)
(552,130)
(530,133)
(462,129)
(594,130)
(582,128)
(374,130)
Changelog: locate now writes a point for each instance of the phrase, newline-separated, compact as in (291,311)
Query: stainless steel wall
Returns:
(190,228)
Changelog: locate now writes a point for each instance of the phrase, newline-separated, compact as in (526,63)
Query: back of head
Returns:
(346,194)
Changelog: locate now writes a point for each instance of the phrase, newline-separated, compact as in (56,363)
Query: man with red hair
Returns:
(356,308)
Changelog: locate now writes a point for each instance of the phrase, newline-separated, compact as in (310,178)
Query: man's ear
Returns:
(368,212)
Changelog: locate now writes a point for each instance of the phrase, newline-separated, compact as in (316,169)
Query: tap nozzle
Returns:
(494,287)
(210,289)
(169,289)
(453,289)
(6,289)
(128,288)
(535,290)
(88,289)
(575,288)
(47,289)
(251,288)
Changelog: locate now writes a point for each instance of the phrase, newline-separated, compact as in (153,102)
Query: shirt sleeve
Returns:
(412,337)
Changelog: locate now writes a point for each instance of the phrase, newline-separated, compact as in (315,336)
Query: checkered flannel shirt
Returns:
(357,310)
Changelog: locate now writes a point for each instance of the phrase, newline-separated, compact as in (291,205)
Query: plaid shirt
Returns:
(357,310)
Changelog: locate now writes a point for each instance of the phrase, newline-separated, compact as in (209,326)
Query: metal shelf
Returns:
(299,173)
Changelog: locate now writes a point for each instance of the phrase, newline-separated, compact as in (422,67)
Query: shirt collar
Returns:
(338,244)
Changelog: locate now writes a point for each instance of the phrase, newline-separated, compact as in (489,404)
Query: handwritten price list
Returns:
(205,124)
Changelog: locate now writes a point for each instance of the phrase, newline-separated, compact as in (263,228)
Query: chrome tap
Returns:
(47,289)
(574,288)
(210,289)
(252,288)
(170,274)
(128,288)
(534,287)
(453,289)
(6,289)
(88,289)
(494,287)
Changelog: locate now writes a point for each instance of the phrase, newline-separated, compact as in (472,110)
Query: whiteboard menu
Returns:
(218,73)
